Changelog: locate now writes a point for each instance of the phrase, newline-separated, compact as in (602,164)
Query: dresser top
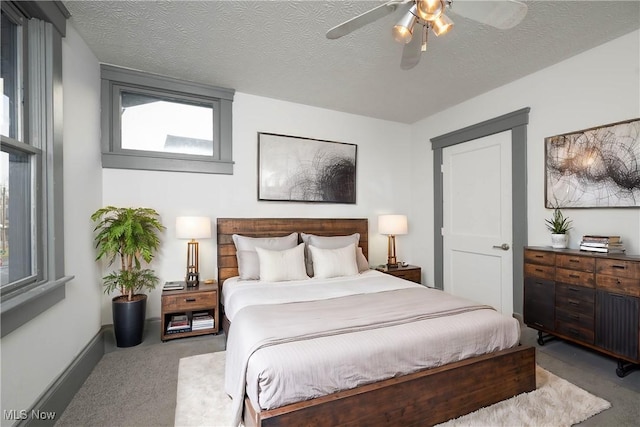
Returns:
(623,256)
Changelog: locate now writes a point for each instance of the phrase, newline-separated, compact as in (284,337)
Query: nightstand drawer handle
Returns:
(189,300)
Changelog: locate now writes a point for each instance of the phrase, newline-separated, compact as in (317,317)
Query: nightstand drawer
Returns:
(190,301)
(412,275)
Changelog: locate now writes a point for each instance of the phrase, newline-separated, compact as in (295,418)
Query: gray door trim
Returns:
(516,122)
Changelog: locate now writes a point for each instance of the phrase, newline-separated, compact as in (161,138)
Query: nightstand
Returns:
(410,272)
(202,300)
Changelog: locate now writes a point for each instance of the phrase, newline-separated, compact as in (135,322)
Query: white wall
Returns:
(597,87)
(35,354)
(382,178)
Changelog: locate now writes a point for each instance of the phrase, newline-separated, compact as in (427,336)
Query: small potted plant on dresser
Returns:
(559,225)
(128,235)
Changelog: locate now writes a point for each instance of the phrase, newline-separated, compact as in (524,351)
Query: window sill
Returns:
(23,307)
(128,161)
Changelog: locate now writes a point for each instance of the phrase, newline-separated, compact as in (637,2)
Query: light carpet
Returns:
(201,400)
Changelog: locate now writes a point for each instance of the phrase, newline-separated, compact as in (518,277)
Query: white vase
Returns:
(559,241)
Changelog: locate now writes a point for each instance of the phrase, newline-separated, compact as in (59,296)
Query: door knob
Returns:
(504,246)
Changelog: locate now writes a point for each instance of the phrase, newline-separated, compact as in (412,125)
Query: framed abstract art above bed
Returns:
(595,167)
(296,169)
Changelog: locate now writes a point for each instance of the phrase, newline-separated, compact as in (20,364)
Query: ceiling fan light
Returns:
(403,30)
(429,10)
(442,25)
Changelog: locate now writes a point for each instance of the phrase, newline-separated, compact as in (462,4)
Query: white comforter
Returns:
(282,371)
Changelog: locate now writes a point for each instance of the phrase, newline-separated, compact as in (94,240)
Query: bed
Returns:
(427,394)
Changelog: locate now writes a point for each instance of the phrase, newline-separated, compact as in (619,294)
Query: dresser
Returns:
(587,298)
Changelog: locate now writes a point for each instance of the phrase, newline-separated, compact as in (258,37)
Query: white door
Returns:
(477,232)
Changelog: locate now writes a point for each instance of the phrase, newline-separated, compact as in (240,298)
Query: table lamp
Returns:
(193,227)
(392,225)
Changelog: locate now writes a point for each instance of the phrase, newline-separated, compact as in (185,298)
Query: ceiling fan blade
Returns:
(364,19)
(412,52)
(502,14)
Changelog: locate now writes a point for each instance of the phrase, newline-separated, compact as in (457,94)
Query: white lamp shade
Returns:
(392,224)
(193,227)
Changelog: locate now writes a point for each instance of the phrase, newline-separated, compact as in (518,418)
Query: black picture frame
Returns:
(299,169)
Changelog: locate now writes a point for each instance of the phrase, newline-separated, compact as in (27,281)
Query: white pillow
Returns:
(334,262)
(248,264)
(278,266)
(326,242)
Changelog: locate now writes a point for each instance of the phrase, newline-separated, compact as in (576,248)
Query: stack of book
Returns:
(178,323)
(202,320)
(173,286)
(602,244)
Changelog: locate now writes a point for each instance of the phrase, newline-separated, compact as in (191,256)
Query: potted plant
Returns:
(559,225)
(128,235)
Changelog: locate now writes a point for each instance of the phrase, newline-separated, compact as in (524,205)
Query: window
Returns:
(31,236)
(159,123)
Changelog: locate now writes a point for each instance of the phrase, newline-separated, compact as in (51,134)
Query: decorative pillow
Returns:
(361,260)
(326,242)
(334,262)
(278,266)
(248,264)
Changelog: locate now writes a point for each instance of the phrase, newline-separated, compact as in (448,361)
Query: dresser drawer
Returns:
(576,320)
(575,277)
(575,332)
(547,272)
(575,262)
(618,268)
(192,301)
(618,285)
(539,257)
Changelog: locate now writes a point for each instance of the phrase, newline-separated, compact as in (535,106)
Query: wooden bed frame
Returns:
(425,397)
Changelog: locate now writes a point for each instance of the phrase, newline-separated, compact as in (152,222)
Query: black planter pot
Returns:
(128,320)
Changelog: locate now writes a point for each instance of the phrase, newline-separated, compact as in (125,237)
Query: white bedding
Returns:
(288,372)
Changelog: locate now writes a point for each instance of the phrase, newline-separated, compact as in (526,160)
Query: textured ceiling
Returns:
(278,49)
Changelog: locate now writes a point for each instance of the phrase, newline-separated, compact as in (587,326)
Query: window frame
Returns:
(42,139)
(115,80)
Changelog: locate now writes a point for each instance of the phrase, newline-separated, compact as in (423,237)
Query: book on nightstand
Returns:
(173,286)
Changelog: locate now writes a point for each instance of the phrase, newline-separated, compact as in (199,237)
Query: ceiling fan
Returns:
(423,15)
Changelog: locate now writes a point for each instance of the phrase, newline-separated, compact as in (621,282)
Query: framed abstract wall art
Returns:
(296,169)
(596,167)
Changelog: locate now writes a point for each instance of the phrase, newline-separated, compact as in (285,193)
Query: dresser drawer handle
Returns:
(574,331)
(574,260)
(539,256)
(574,276)
(574,316)
(189,300)
(574,302)
(574,289)
(622,267)
(539,270)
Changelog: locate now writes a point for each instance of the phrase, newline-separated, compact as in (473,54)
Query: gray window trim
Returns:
(116,79)
(23,305)
(516,122)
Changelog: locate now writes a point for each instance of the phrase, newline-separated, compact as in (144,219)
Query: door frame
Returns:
(516,122)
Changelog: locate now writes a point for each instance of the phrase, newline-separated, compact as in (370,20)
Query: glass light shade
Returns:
(193,227)
(403,30)
(392,224)
(442,25)
(429,10)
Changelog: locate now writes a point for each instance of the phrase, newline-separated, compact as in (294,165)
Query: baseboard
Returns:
(57,397)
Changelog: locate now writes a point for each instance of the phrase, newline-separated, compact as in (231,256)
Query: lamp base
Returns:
(192,280)
(391,266)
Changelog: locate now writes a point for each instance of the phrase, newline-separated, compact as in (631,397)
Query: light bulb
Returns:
(442,25)
(429,10)
(403,30)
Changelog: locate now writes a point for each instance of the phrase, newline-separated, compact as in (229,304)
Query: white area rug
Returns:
(201,400)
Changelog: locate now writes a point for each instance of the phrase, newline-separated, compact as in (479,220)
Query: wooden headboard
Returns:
(276,227)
